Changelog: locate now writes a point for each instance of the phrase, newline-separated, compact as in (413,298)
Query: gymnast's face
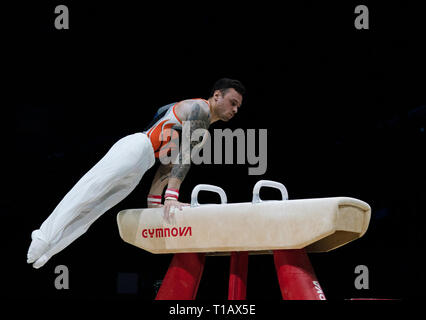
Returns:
(227,104)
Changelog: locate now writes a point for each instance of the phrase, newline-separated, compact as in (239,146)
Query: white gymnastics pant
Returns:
(106,184)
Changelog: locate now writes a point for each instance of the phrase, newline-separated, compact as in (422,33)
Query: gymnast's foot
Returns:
(37,248)
(41,261)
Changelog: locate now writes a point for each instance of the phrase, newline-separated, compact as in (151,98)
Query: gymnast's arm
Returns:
(161,178)
(197,115)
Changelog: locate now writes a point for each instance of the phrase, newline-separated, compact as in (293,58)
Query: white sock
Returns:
(41,261)
(37,248)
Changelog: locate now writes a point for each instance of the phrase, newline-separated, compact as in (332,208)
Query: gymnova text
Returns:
(200,152)
(167,232)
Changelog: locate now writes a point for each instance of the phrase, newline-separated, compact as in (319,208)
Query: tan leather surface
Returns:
(320,225)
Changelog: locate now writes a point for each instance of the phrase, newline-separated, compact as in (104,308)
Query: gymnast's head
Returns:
(226,98)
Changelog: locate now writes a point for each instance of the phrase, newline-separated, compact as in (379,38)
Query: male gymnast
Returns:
(116,175)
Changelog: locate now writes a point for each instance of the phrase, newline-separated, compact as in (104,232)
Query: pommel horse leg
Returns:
(296,276)
(183,277)
(238,276)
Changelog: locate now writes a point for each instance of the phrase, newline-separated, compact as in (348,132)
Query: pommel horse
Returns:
(288,229)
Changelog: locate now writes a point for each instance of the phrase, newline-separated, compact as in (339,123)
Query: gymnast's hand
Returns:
(168,214)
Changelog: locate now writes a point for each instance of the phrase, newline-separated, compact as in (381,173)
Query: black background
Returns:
(344,110)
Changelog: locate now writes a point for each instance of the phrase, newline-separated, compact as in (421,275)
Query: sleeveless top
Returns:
(164,129)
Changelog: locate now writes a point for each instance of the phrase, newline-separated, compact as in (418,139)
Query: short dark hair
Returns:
(225,83)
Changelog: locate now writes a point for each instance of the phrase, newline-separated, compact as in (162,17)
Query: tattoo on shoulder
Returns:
(199,117)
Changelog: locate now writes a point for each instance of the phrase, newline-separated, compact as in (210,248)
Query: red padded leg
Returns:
(238,276)
(296,276)
(183,277)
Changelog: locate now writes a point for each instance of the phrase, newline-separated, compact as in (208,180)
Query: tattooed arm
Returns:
(160,181)
(195,114)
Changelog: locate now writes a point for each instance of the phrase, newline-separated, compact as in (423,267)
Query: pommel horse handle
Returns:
(184,274)
(268,183)
(207,187)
